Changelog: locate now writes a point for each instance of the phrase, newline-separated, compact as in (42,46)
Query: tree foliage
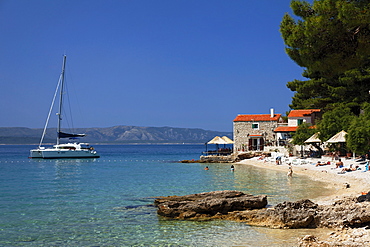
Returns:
(334,121)
(358,138)
(331,40)
(302,134)
(330,37)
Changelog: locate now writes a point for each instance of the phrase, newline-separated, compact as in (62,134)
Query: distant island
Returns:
(114,135)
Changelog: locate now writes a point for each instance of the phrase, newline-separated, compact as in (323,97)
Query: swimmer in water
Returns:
(290,172)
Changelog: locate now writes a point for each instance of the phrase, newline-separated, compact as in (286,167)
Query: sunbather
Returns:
(339,164)
(322,164)
(262,157)
(349,169)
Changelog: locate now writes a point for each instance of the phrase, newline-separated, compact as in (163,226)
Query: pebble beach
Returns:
(343,184)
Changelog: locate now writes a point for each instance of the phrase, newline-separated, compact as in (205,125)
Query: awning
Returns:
(339,137)
(255,136)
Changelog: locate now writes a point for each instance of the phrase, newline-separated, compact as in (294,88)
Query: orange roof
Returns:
(302,113)
(286,129)
(257,118)
(290,128)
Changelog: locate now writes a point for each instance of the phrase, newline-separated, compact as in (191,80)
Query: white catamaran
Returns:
(62,150)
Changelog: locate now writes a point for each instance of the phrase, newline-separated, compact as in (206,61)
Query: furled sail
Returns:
(66,135)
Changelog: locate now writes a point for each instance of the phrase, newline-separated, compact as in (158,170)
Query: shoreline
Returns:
(349,184)
(344,185)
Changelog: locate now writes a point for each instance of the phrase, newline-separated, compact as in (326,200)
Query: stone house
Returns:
(296,118)
(254,132)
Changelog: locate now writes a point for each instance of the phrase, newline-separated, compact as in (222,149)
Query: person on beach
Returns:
(278,160)
(339,164)
(322,164)
(290,171)
(335,156)
(351,168)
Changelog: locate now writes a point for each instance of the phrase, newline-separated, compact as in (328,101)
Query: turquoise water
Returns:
(109,201)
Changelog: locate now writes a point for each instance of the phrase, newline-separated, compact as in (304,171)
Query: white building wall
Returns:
(292,122)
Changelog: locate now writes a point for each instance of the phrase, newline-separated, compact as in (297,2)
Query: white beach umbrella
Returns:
(338,137)
(217,140)
(227,139)
(314,138)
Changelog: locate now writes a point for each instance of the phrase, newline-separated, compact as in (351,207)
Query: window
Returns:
(299,121)
(255,126)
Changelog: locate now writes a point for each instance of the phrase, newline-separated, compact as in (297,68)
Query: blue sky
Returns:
(177,63)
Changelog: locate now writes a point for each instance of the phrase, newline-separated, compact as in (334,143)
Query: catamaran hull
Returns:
(60,154)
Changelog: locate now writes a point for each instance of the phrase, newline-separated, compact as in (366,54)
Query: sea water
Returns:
(109,201)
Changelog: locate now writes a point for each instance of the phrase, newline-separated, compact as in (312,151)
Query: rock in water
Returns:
(306,214)
(207,204)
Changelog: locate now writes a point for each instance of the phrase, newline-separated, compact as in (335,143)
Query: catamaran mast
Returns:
(61,98)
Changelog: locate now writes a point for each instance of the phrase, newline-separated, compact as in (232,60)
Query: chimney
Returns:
(272,114)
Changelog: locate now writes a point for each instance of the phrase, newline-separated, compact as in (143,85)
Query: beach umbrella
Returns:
(217,140)
(315,141)
(338,137)
(227,139)
(314,138)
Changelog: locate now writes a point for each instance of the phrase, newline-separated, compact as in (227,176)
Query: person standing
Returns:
(290,171)
(278,160)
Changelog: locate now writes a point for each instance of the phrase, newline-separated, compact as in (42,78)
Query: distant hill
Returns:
(113,135)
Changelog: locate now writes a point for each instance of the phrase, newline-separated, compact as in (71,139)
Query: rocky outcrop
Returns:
(345,213)
(347,237)
(349,217)
(235,205)
(300,214)
(208,204)
(217,159)
(306,214)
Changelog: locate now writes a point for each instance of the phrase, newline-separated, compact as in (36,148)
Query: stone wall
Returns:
(217,159)
(244,130)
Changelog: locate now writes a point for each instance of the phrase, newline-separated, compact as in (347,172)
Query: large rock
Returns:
(347,212)
(300,214)
(207,204)
(235,205)
(306,214)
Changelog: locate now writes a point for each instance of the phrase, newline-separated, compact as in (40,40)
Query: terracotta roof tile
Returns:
(302,113)
(290,128)
(286,129)
(256,118)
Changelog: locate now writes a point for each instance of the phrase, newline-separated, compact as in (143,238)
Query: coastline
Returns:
(343,185)
(348,184)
